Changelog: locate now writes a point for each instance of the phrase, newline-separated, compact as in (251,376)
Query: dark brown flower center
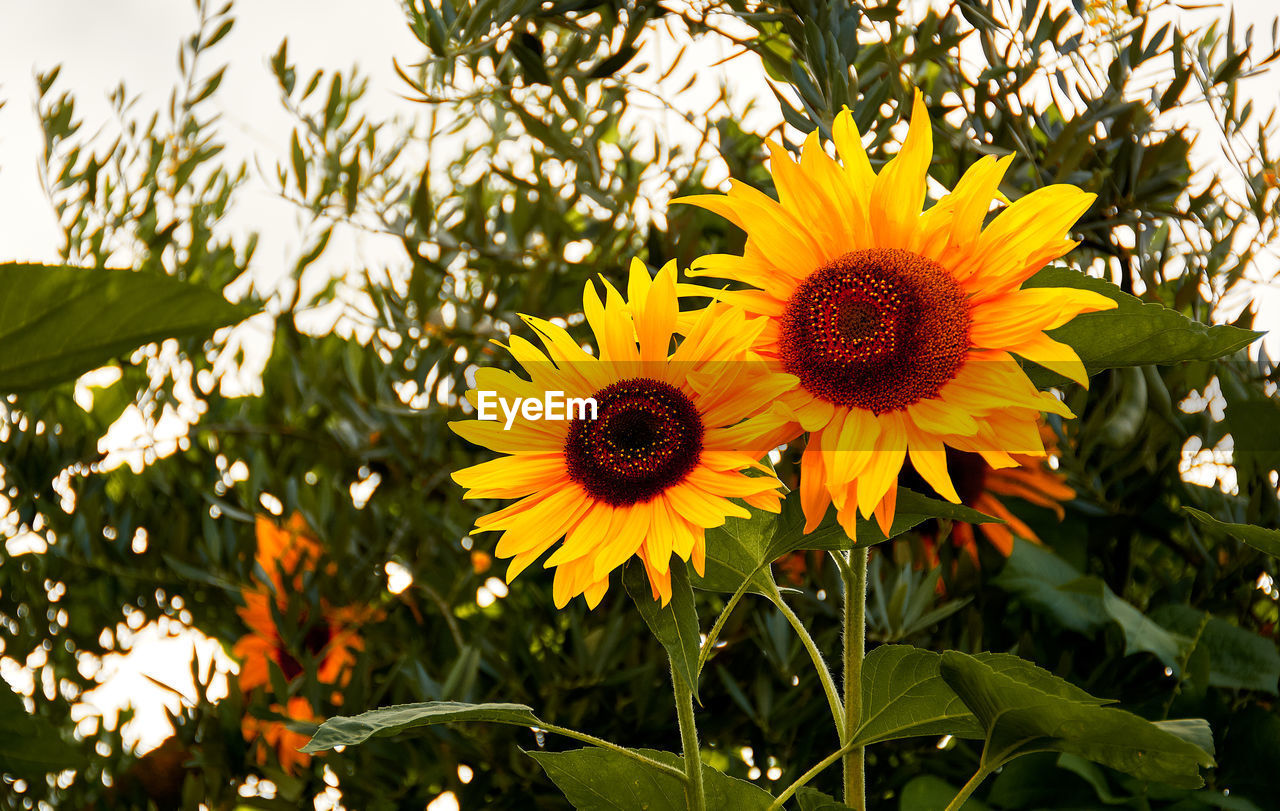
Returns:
(646,437)
(314,642)
(878,329)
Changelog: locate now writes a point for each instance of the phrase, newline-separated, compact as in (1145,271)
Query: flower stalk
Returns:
(854,573)
(695,794)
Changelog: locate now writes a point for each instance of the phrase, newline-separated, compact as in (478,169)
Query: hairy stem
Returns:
(824,674)
(694,792)
(781,799)
(854,574)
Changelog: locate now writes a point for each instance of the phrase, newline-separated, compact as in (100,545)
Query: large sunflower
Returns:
(900,324)
(658,465)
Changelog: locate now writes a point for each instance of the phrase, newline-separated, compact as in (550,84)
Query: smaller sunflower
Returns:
(659,464)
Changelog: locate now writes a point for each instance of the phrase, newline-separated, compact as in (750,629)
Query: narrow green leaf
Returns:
(1264,540)
(904,696)
(1136,333)
(356,729)
(57,323)
(602,780)
(299,163)
(1024,709)
(676,624)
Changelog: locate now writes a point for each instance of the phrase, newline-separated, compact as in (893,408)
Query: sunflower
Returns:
(900,325)
(661,460)
(332,640)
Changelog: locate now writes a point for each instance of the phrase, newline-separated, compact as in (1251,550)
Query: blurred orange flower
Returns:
(332,640)
(986,489)
(276,735)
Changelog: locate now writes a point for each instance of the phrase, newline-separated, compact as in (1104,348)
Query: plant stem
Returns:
(958,801)
(777,804)
(854,574)
(695,794)
(709,643)
(613,747)
(824,674)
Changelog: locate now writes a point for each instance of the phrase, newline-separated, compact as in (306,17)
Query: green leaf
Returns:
(676,624)
(1238,659)
(739,551)
(30,746)
(356,729)
(1084,604)
(928,792)
(56,323)
(810,799)
(603,780)
(1264,540)
(904,695)
(1135,333)
(738,555)
(1025,709)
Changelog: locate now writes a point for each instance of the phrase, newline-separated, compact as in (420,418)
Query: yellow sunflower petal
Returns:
(929,457)
(898,195)
(857,165)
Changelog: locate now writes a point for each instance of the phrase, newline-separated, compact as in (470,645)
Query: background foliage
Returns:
(523,166)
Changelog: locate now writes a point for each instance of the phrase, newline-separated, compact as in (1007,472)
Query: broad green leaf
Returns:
(912,510)
(1084,604)
(1024,709)
(904,695)
(356,729)
(738,555)
(1027,673)
(740,550)
(1238,658)
(603,780)
(30,746)
(1135,333)
(928,792)
(57,323)
(810,799)
(1050,780)
(1260,538)
(676,624)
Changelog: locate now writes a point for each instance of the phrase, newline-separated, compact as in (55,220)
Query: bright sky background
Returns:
(101,44)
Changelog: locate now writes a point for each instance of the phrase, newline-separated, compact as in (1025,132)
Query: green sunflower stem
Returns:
(695,794)
(854,574)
